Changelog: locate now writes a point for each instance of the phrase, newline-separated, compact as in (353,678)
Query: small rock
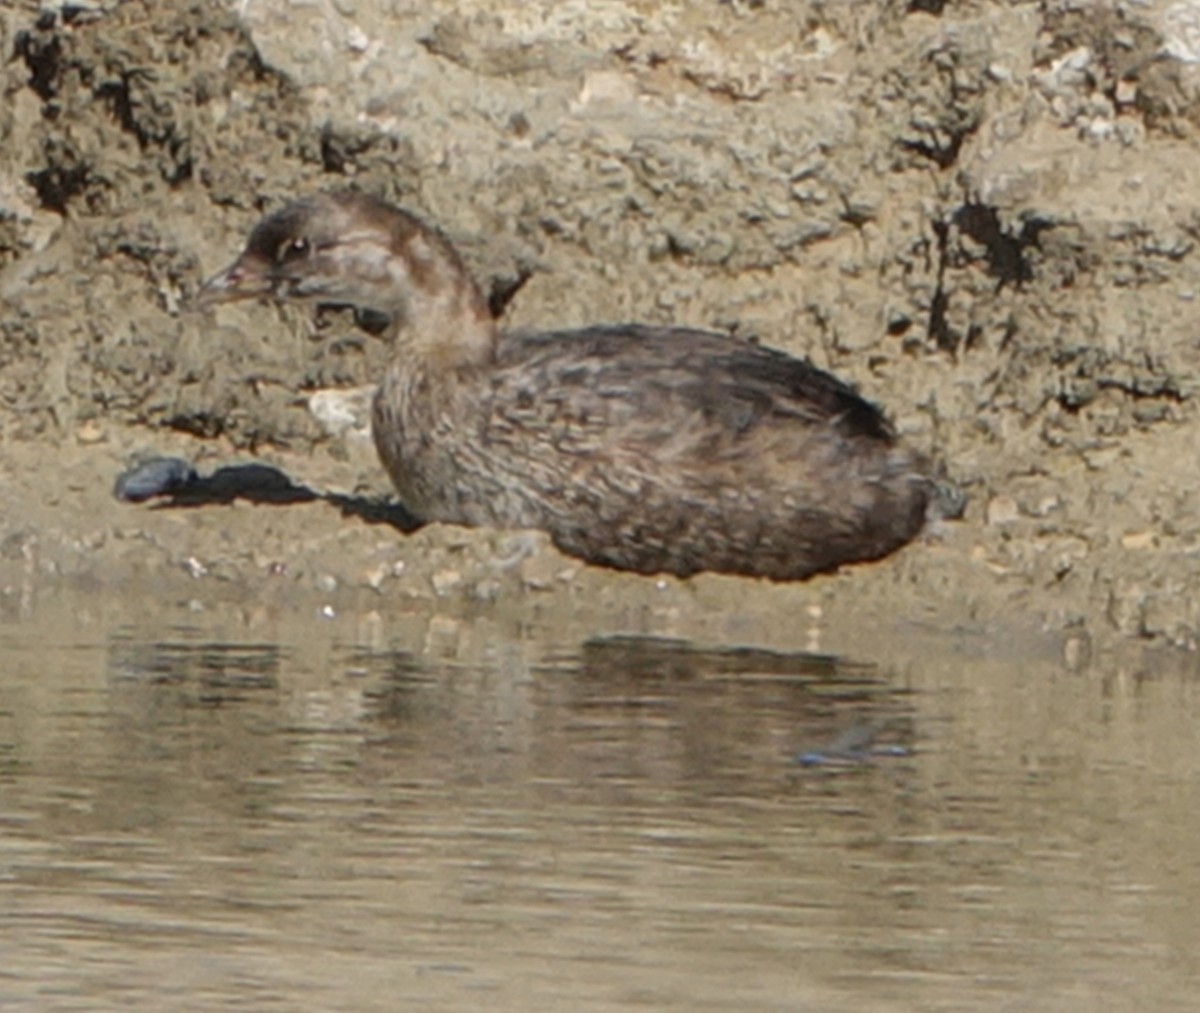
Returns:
(156,476)
(195,568)
(374,576)
(1077,652)
(445,581)
(487,590)
(948,502)
(1047,505)
(1139,540)
(539,570)
(339,411)
(1002,510)
(90,432)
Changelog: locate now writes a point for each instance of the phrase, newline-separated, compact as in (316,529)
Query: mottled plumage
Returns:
(644,448)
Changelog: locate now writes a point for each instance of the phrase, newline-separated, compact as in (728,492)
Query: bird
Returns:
(652,449)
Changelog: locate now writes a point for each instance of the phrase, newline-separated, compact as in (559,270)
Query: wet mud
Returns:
(984,215)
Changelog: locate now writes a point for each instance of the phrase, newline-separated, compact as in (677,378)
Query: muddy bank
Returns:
(983,215)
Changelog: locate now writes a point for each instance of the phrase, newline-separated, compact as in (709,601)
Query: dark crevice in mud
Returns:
(1092,371)
(1005,256)
(202,424)
(926,6)
(504,288)
(943,146)
(943,97)
(73,66)
(1158,388)
(41,50)
(939,330)
(123,96)
(58,184)
(348,151)
(372,322)
(1006,253)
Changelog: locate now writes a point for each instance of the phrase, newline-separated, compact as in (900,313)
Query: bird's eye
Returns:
(292,249)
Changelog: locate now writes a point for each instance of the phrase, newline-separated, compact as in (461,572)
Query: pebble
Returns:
(90,432)
(1139,540)
(1002,510)
(445,581)
(157,476)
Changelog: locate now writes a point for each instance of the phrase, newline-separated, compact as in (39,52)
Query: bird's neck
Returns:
(443,318)
(447,329)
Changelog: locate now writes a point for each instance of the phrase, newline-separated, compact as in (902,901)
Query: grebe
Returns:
(653,449)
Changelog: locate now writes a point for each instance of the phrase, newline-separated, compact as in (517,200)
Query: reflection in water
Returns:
(216,668)
(333,819)
(856,743)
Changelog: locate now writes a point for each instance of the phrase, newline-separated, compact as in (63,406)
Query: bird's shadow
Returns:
(265,485)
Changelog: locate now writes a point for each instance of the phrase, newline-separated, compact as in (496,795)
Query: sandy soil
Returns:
(983,214)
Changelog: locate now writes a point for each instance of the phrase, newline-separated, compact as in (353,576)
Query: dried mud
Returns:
(983,214)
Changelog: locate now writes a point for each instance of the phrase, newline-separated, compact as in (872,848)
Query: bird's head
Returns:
(338,248)
(353,249)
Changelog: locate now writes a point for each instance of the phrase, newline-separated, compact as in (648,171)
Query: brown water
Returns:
(216,810)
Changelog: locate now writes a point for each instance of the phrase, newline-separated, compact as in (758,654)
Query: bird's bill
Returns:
(246,278)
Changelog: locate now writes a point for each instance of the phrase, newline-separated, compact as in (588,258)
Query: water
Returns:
(231,811)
